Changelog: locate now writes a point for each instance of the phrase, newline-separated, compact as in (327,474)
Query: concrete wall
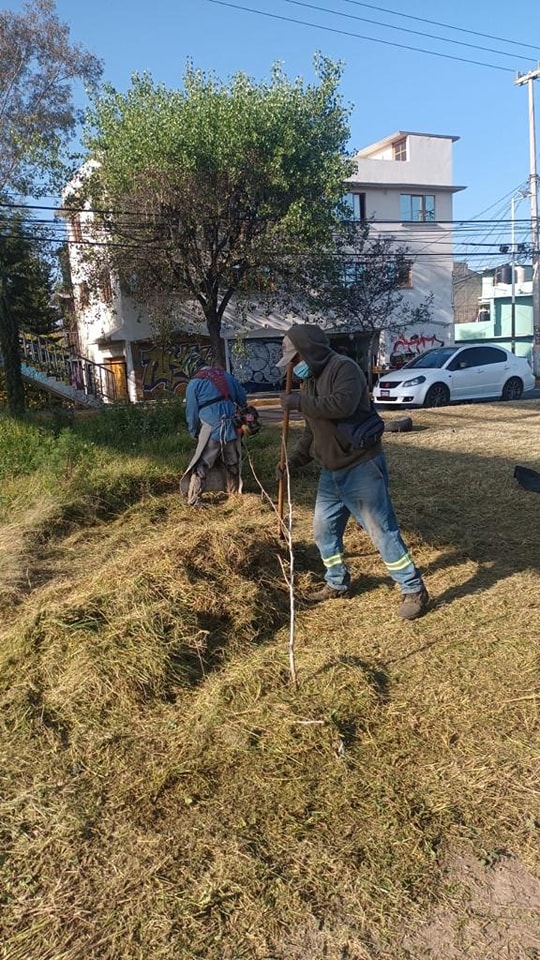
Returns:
(429,161)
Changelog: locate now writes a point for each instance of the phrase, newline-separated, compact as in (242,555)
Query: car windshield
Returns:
(431,358)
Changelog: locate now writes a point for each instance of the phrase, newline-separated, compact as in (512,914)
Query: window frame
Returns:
(356,200)
(481,360)
(425,215)
(399,150)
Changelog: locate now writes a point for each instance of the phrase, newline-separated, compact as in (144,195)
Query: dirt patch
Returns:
(492,911)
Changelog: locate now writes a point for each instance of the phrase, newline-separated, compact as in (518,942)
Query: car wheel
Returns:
(513,389)
(438,395)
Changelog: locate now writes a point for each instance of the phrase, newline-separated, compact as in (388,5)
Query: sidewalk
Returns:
(263,399)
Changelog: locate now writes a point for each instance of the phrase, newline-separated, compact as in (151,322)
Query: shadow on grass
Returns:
(467,505)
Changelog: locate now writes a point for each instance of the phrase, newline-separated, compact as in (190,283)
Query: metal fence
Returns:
(93,379)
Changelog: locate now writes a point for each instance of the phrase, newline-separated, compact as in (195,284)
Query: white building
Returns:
(404,183)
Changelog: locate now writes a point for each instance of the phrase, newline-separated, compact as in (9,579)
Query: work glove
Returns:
(290,401)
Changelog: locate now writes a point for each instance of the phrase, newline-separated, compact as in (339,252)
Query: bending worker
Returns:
(353,481)
(212,397)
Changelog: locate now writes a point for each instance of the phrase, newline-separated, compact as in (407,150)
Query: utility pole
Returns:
(513,319)
(529,79)
(520,195)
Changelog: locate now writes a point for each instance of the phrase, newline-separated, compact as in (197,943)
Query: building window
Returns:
(400,274)
(356,203)
(417,208)
(353,273)
(399,149)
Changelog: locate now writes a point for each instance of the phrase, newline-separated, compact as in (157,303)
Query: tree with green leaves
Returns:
(39,66)
(27,294)
(214,190)
(29,281)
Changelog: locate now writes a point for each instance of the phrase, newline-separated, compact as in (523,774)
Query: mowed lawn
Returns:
(167,792)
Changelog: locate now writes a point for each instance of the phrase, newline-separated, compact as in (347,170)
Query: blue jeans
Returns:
(360,491)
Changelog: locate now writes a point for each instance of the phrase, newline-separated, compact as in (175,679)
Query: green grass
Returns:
(168,792)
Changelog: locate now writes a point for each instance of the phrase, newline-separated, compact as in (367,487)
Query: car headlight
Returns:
(413,383)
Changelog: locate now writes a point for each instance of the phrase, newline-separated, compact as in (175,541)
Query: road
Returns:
(270,410)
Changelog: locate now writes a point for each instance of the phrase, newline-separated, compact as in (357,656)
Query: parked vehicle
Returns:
(448,374)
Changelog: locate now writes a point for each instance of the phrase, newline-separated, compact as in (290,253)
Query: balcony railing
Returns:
(93,379)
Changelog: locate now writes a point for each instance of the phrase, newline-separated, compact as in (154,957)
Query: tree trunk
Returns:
(9,348)
(372,339)
(213,323)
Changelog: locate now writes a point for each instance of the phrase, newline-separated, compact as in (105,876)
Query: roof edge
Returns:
(399,134)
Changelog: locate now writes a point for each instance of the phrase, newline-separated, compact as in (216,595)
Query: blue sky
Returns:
(389,88)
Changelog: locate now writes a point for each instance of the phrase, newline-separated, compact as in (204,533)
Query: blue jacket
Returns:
(219,414)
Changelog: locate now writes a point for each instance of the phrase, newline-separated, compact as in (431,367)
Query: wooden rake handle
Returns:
(283,456)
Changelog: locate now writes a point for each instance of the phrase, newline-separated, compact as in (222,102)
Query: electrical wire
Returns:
(416,255)
(391,26)
(359,36)
(142,213)
(437,23)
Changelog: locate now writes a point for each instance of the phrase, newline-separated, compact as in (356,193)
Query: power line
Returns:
(415,254)
(437,23)
(391,26)
(141,213)
(359,36)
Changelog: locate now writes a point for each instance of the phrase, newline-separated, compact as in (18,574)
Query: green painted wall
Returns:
(499,328)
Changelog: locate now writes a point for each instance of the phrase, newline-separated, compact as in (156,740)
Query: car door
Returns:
(468,374)
(497,366)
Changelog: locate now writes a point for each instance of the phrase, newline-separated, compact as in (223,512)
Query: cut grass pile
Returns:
(168,793)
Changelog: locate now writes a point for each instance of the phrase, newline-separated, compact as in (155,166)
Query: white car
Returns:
(447,374)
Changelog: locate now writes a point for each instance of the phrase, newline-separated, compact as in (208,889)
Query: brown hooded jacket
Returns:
(336,391)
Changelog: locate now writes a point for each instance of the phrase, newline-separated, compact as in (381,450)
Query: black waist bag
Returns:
(362,433)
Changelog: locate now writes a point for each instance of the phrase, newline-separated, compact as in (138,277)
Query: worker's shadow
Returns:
(466,504)
(471,507)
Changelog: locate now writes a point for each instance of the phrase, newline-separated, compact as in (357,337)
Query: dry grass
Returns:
(168,794)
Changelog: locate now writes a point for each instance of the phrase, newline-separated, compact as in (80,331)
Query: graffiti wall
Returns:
(406,346)
(253,362)
(167,369)
(416,343)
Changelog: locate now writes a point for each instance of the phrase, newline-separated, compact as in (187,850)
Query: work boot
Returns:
(413,605)
(325,592)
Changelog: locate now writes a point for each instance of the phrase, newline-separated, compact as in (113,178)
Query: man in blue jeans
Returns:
(353,481)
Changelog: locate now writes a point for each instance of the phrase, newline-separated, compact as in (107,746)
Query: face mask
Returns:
(302,371)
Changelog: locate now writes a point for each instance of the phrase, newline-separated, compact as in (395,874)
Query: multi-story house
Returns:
(403,184)
(504,310)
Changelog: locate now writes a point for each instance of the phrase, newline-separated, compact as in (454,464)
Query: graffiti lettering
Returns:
(416,343)
(254,363)
(170,368)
